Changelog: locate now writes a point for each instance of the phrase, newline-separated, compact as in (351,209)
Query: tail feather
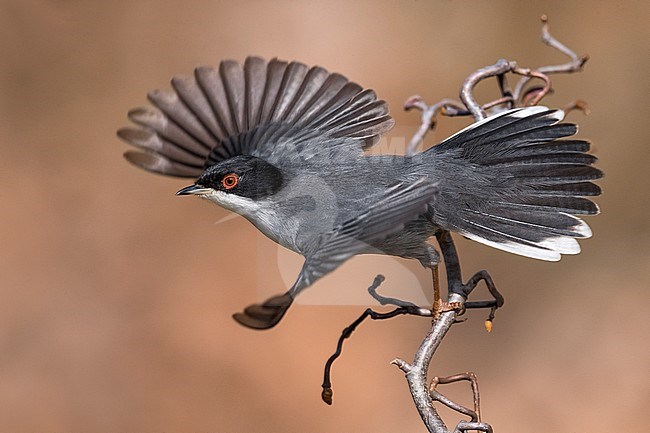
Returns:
(579,189)
(573,205)
(555,147)
(547,158)
(536,238)
(514,182)
(552,173)
(555,222)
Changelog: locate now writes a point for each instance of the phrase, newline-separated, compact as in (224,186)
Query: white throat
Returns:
(262,214)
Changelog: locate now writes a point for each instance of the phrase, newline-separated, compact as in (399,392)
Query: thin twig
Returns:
(578,105)
(436,396)
(403,308)
(464,427)
(429,114)
(469,376)
(574,65)
(384,300)
(519,97)
(499,68)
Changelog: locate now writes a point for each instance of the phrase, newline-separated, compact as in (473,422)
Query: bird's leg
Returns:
(440,306)
(437,300)
(403,307)
(455,284)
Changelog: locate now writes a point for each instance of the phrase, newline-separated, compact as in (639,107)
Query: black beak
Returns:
(193,190)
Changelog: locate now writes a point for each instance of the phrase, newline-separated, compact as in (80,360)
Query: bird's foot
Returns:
(264,315)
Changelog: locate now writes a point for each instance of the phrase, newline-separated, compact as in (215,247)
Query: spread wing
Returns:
(233,110)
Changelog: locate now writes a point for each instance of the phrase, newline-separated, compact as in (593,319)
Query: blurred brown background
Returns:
(116,295)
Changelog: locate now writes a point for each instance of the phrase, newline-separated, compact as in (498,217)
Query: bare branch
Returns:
(403,308)
(574,65)
(520,97)
(416,372)
(499,68)
(383,300)
(436,396)
(469,376)
(429,114)
(578,105)
(464,427)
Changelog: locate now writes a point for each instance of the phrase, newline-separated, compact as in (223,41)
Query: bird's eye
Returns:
(230,181)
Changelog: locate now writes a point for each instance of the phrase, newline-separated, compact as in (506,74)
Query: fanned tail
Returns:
(513,182)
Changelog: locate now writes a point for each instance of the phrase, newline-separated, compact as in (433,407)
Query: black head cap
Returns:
(243,175)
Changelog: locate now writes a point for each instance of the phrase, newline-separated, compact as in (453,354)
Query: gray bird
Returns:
(283,145)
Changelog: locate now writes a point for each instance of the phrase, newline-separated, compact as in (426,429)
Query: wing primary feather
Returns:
(174,108)
(167,129)
(344,95)
(255,77)
(161,165)
(191,94)
(210,83)
(313,81)
(289,89)
(148,140)
(328,90)
(274,75)
(232,76)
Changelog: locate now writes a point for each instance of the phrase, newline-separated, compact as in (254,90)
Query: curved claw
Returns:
(265,315)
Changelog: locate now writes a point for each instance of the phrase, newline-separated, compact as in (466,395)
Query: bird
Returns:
(285,146)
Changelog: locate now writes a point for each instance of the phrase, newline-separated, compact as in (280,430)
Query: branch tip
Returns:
(326,395)
(402,365)
(415,101)
(578,105)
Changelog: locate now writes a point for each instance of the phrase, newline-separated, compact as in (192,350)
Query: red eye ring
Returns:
(230,181)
